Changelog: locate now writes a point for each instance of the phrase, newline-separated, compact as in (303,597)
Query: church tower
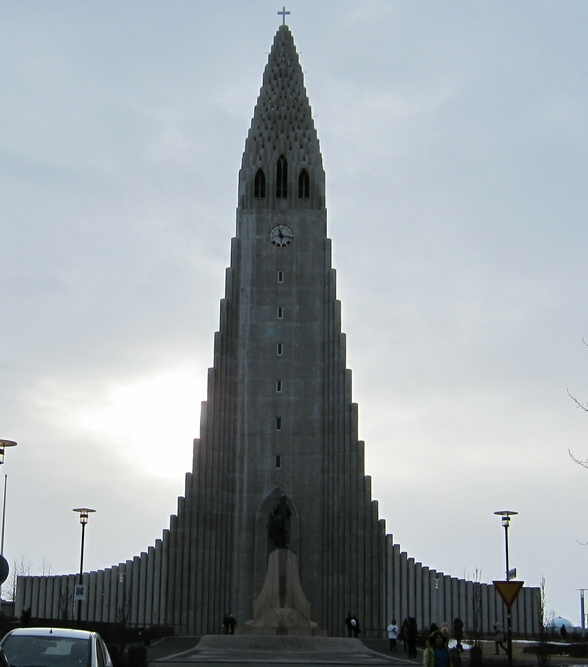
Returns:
(279,418)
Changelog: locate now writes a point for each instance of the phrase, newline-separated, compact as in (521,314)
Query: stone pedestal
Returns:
(282,608)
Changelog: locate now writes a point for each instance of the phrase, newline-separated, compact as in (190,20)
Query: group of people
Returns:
(229,623)
(436,651)
(407,633)
(437,645)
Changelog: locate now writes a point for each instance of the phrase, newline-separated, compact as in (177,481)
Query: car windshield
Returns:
(50,651)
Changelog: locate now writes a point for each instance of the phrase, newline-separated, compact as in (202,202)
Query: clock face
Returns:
(281,235)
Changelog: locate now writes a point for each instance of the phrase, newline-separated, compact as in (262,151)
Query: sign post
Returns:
(508,591)
(504,585)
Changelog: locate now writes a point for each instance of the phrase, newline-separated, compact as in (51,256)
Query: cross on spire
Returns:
(283,15)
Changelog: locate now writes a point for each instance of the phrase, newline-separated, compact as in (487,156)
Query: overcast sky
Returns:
(454,138)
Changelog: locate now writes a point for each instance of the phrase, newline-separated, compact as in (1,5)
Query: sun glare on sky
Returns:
(152,421)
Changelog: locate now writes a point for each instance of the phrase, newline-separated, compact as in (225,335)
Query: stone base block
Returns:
(282,608)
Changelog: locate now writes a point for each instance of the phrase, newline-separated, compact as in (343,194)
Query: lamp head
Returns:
(84,513)
(3,445)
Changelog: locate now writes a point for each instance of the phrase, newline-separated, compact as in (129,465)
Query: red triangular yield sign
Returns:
(508,591)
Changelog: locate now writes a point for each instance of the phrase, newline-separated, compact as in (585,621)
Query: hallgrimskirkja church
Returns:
(278,467)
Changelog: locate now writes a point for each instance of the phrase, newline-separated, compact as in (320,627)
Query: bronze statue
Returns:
(278,525)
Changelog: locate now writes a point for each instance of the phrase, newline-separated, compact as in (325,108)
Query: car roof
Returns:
(68,633)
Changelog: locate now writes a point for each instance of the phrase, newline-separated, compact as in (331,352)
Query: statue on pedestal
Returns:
(281,608)
(278,525)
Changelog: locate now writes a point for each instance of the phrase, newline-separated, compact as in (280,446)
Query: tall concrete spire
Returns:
(296,431)
(282,125)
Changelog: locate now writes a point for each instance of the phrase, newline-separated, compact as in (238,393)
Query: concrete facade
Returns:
(279,420)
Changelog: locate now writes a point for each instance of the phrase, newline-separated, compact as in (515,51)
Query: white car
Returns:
(55,647)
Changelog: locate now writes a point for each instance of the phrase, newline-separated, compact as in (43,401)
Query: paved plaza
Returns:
(292,651)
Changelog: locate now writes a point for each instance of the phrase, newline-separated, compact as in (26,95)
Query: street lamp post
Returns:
(506,514)
(3,562)
(582,607)
(3,445)
(84,512)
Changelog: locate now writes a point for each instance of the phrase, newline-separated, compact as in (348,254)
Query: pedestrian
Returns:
(458,632)
(445,631)
(393,635)
(499,637)
(348,623)
(355,626)
(404,634)
(232,624)
(563,632)
(226,623)
(412,636)
(436,651)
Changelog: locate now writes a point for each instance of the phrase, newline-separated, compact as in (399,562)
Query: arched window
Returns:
(303,185)
(259,185)
(282,178)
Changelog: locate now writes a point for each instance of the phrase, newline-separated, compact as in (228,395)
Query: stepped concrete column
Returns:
(425,574)
(418,585)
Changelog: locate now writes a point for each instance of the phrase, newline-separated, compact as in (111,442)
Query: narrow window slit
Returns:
(282,178)
(259,185)
(303,185)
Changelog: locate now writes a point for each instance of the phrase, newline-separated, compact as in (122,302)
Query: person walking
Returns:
(412,636)
(436,651)
(458,632)
(404,634)
(393,635)
(445,631)
(348,623)
(226,623)
(499,637)
(355,626)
